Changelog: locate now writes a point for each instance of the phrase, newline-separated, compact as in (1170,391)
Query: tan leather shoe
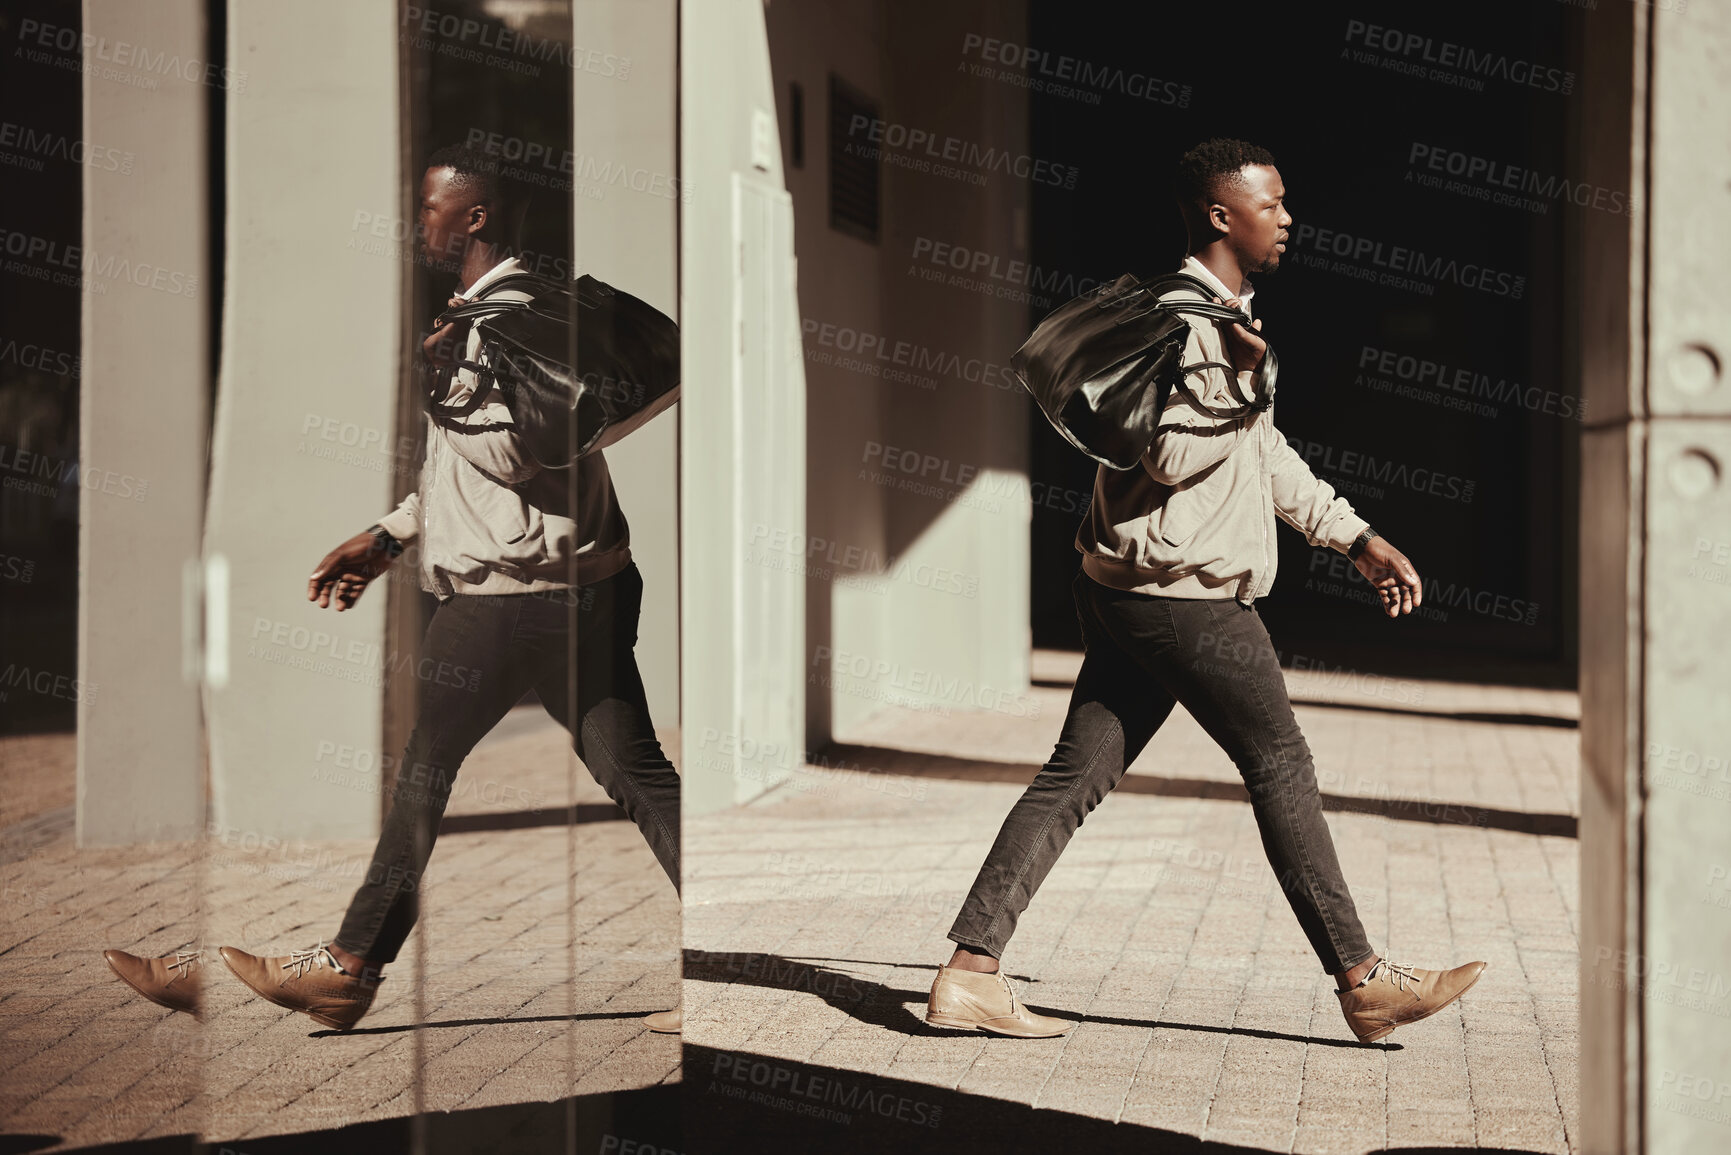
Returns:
(309,981)
(167,982)
(974,1001)
(666,1022)
(1394,995)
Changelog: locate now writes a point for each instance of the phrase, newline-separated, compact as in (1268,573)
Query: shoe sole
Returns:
(1378,1036)
(965,1025)
(267,996)
(193,1011)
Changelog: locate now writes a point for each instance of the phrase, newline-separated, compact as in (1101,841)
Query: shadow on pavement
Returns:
(744,1102)
(881,1006)
(397,1030)
(645,1120)
(915,763)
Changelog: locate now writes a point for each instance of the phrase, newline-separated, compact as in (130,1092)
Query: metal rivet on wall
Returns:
(1694,369)
(1694,473)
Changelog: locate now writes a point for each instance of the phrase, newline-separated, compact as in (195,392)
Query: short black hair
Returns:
(473,173)
(1207,169)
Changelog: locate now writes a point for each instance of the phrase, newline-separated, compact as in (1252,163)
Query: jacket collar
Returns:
(1197,269)
(504,268)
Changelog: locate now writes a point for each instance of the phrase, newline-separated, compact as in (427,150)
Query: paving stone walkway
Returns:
(540,953)
(815,918)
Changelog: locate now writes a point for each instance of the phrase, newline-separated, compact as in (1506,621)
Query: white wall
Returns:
(144,383)
(629,238)
(1656,583)
(310,363)
(741,415)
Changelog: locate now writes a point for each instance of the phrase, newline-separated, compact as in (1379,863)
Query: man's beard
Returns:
(1269,266)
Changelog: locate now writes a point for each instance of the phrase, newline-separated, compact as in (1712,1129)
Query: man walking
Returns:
(509,559)
(1174,556)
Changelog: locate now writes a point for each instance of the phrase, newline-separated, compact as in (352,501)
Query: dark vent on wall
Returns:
(853,164)
(796,123)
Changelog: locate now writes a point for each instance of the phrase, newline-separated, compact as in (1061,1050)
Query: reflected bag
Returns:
(1102,366)
(627,363)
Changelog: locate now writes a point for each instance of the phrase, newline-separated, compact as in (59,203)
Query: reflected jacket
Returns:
(489,518)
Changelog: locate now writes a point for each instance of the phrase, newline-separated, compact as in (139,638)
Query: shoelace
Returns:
(185,962)
(1402,972)
(303,961)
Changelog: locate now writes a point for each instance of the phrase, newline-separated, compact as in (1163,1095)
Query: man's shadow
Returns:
(884,1006)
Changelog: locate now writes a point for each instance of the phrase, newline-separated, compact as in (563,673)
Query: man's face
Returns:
(1256,220)
(447,219)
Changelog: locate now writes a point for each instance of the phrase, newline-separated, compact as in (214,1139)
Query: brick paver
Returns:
(542,950)
(815,918)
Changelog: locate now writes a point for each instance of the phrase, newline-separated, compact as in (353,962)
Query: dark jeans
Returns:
(480,656)
(1143,654)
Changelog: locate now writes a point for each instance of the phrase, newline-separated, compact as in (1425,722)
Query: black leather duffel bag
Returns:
(1102,366)
(627,363)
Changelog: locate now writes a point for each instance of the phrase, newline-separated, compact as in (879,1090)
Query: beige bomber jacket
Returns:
(489,518)
(1197,519)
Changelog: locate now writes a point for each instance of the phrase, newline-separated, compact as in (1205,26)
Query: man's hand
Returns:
(1244,347)
(444,346)
(1395,580)
(347,570)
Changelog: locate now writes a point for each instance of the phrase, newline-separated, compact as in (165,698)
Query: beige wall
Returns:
(1656,581)
(629,238)
(304,432)
(143,416)
(942,597)
(741,416)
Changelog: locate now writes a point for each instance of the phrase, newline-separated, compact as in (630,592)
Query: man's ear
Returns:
(1219,218)
(477,219)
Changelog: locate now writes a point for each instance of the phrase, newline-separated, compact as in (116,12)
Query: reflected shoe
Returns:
(666,1022)
(1394,995)
(308,981)
(171,983)
(975,1001)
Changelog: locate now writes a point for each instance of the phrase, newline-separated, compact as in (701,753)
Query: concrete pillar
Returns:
(627,233)
(305,436)
(743,416)
(1656,583)
(143,413)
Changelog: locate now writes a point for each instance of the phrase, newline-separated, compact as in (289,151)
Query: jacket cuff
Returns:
(1345,531)
(402,524)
